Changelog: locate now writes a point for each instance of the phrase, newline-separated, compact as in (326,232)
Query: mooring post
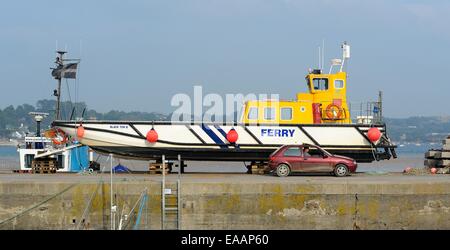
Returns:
(112,196)
(180,165)
(179,192)
(163,193)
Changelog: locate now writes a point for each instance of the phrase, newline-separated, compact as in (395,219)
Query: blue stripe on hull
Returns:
(213,136)
(221,130)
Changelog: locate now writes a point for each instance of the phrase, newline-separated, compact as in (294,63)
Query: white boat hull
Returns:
(202,141)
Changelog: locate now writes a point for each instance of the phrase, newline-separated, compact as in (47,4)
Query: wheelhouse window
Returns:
(269,113)
(294,151)
(308,83)
(338,84)
(253,113)
(286,113)
(320,83)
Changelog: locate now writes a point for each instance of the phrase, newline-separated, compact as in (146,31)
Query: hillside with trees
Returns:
(420,129)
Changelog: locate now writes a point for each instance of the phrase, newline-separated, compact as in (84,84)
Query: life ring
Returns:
(60,137)
(334,112)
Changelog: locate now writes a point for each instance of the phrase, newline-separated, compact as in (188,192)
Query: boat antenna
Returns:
(323,54)
(345,53)
(320,59)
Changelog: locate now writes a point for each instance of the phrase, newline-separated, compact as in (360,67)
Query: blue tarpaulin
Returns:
(79,158)
(121,169)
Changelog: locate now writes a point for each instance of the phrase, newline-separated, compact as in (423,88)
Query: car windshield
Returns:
(324,152)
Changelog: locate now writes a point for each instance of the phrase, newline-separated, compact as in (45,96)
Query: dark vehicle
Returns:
(309,159)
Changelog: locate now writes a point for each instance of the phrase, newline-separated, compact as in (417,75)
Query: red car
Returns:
(309,158)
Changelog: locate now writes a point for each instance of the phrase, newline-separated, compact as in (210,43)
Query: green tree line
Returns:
(12,118)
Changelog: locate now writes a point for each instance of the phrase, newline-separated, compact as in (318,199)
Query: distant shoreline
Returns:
(8,143)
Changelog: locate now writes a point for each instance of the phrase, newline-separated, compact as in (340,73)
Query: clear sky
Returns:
(137,54)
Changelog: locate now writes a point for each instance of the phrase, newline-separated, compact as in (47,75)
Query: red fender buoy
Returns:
(152,136)
(374,134)
(80,131)
(232,136)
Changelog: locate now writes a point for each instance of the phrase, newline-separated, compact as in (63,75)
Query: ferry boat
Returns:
(321,117)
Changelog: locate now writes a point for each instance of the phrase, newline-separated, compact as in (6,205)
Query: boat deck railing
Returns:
(366,112)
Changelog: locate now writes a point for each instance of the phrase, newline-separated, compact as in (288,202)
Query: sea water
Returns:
(9,158)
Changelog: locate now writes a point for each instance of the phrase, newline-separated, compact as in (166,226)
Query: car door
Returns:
(293,156)
(316,161)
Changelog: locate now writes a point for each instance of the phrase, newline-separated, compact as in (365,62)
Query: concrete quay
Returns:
(232,201)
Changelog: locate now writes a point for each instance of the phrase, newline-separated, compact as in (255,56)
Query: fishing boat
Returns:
(321,117)
(68,158)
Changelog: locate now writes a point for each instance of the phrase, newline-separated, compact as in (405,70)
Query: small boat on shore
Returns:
(68,158)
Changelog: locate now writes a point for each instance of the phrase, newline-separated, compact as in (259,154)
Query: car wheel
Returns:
(340,170)
(283,170)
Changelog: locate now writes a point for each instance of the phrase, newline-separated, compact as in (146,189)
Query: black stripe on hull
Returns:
(231,154)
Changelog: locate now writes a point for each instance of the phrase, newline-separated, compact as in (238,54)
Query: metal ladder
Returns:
(171,200)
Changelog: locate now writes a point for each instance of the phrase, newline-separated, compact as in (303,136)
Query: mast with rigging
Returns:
(62,70)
